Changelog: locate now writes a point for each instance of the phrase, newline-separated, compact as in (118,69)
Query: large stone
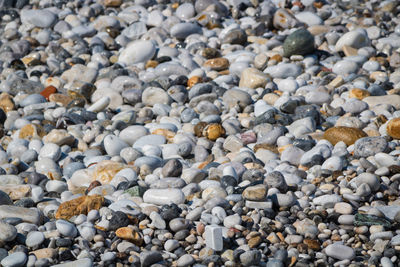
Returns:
(17,191)
(25,214)
(393,100)
(300,42)
(137,51)
(80,205)
(348,135)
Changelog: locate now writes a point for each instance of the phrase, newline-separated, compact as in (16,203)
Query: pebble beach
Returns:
(199,133)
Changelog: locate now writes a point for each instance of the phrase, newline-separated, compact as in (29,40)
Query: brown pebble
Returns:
(348,135)
(93,185)
(393,128)
(80,205)
(199,127)
(217,64)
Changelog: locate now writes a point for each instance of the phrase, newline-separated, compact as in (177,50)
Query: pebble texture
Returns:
(199,133)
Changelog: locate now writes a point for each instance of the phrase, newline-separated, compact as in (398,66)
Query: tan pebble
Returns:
(270,98)
(105,171)
(31,131)
(45,253)
(6,102)
(213,131)
(151,64)
(358,93)
(112,3)
(129,234)
(348,135)
(338,81)
(349,51)
(253,78)
(60,99)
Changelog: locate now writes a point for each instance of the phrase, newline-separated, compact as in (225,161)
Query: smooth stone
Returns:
(86,262)
(213,237)
(300,42)
(185,11)
(348,135)
(183,30)
(369,146)
(25,214)
(327,200)
(148,258)
(185,260)
(132,133)
(234,97)
(284,70)
(66,228)
(40,18)
(367,178)
(113,145)
(340,251)
(171,244)
(393,128)
(309,18)
(137,51)
(253,78)
(152,139)
(164,196)
(292,155)
(345,67)
(354,39)
(15,259)
(34,239)
(7,232)
(155,95)
(373,101)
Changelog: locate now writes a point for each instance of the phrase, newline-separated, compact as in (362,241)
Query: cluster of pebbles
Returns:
(199,133)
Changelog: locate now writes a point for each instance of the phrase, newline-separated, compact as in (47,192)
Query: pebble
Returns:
(340,251)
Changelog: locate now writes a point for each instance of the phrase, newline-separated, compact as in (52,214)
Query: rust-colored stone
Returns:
(166,133)
(348,135)
(80,205)
(393,128)
(312,244)
(193,80)
(129,234)
(49,90)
